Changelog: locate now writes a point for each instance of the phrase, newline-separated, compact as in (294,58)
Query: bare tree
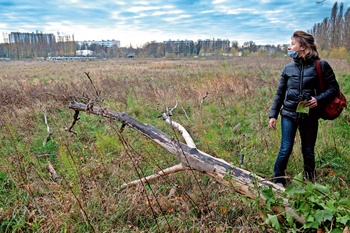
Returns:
(333,32)
(347,29)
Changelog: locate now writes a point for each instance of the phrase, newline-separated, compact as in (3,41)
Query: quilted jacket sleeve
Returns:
(280,95)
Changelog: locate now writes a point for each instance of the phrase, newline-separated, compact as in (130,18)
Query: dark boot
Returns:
(310,176)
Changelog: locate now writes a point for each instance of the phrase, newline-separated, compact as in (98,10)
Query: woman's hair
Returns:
(308,41)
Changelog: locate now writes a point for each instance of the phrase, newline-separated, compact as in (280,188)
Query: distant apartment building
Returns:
(31,38)
(179,46)
(30,45)
(106,43)
(210,45)
(38,44)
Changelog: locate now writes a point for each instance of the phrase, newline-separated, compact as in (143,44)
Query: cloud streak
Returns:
(137,22)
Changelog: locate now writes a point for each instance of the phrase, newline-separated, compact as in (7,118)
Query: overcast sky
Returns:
(137,22)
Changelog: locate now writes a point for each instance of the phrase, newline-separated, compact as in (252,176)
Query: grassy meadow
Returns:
(224,105)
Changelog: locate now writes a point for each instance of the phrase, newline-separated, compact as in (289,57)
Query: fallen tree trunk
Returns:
(240,180)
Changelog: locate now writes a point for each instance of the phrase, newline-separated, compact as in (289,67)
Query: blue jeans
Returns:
(308,133)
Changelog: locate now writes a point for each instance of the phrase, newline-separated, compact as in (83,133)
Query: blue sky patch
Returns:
(138,22)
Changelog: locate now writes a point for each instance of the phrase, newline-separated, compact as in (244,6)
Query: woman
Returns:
(298,100)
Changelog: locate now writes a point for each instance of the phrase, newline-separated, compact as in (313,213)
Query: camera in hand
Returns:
(305,97)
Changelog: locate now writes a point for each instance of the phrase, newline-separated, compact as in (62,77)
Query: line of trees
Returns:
(333,32)
(209,47)
(23,46)
(185,48)
(191,47)
(179,48)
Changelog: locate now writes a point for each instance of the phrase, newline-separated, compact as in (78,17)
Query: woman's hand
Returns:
(272,123)
(311,103)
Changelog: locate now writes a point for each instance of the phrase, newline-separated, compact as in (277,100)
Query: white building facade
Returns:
(106,43)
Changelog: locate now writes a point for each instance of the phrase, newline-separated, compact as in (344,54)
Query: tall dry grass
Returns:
(96,160)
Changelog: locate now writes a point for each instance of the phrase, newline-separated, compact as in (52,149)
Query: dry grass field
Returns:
(223,103)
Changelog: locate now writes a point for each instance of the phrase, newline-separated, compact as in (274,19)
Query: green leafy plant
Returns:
(320,206)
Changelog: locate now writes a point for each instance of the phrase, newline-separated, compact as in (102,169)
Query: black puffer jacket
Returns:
(298,80)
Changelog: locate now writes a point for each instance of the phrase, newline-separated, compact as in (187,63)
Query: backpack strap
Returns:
(319,73)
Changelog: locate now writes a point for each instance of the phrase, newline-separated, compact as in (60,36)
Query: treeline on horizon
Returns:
(332,36)
(333,32)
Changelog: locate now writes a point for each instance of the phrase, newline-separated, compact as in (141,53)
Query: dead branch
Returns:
(52,171)
(240,180)
(48,136)
(75,119)
(44,155)
(202,100)
(167,171)
(186,115)
(97,92)
(187,137)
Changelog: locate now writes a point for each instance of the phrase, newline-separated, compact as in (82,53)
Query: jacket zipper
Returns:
(301,82)
(301,87)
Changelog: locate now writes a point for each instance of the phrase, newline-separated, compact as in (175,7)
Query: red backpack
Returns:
(333,108)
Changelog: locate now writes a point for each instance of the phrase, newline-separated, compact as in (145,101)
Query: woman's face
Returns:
(295,46)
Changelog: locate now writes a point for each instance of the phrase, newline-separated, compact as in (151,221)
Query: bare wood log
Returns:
(190,157)
(240,180)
